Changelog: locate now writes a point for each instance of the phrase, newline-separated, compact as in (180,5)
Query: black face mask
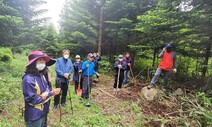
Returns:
(169,49)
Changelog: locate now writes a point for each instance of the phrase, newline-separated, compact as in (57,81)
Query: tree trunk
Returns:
(100,28)
(154,57)
(207,55)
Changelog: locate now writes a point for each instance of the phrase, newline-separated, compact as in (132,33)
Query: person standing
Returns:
(120,64)
(36,90)
(128,61)
(63,70)
(167,64)
(88,72)
(96,60)
(47,75)
(77,72)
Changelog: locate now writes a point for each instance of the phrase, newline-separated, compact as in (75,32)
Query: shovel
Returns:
(117,81)
(133,78)
(79,91)
(88,104)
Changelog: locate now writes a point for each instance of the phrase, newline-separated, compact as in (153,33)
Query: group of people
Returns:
(37,87)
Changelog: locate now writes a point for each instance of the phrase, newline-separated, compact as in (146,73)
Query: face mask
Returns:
(66,56)
(40,67)
(77,60)
(120,59)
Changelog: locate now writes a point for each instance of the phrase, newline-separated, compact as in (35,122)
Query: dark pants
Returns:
(76,85)
(86,87)
(38,123)
(121,78)
(64,89)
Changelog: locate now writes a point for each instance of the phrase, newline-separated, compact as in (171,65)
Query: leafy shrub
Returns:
(104,65)
(6,55)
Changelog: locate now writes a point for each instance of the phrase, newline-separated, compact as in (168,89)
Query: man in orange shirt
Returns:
(166,66)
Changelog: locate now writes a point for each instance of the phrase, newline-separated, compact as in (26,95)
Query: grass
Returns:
(116,113)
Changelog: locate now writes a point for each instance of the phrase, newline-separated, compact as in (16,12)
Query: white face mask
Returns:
(120,59)
(40,67)
(78,60)
(66,56)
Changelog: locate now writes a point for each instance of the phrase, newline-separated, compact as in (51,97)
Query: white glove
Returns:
(175,70)
(119,66)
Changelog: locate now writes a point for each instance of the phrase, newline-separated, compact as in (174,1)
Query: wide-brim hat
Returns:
(50,62)
(33,56)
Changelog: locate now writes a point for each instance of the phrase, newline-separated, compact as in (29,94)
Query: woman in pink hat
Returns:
(36,91)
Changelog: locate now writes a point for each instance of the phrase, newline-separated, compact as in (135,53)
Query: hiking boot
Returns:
(114,91)
(54,108)
(150,86)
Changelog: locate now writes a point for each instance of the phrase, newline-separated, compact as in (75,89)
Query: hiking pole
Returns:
(132,75)
(88,104)
(58,83)
(70,96)
(79,91)
(117,81)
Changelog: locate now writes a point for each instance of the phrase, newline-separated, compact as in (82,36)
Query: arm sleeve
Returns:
(84,66)
(75,66)
(57,69)
(70,67)
(175,61)
(161,54)
(94,69)
(29,92)
(124,66)
(115,65)
(80,66)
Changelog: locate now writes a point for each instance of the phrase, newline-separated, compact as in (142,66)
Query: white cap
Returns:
(77,56)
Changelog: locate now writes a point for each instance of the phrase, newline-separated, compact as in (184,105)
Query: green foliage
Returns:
(104,65)
(203,99)
(6,55)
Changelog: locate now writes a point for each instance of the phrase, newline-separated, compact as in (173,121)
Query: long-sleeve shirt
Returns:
(96,62)
(63,66)
(169,60)
(33,86)
(124,67)
(77,67)
(88,71)
(127,60)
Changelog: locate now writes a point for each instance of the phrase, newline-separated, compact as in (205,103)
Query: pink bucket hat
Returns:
(33,56)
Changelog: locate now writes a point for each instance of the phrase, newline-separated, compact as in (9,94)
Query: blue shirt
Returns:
(63,66)
(90,70)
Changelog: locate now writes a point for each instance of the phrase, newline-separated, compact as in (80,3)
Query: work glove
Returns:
(175,70)
(97,74)
(119,66)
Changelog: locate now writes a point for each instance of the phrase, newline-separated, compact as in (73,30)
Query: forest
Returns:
(113,27)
